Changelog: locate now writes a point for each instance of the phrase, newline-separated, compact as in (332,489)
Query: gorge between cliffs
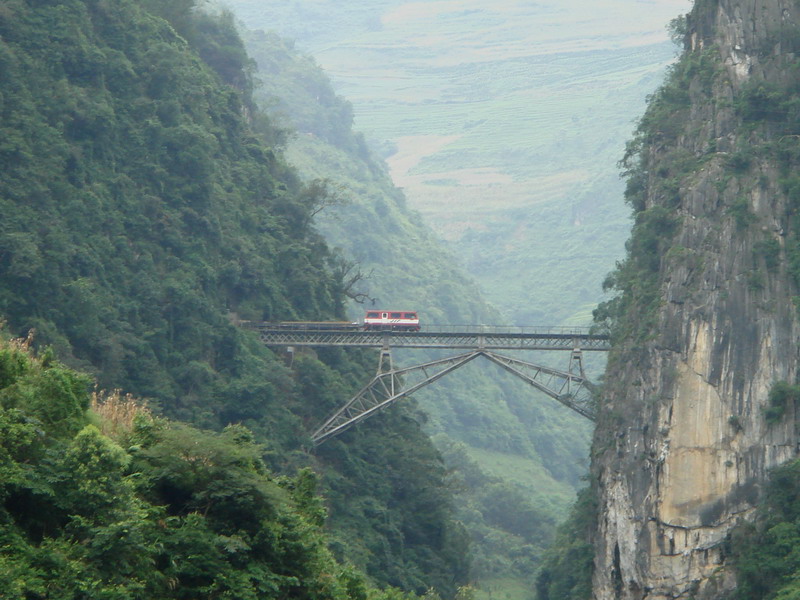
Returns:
(174,169)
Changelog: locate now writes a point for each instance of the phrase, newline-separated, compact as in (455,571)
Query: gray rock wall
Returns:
(682,447)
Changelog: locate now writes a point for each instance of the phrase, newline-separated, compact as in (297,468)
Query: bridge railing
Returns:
(317,326)
(505,329)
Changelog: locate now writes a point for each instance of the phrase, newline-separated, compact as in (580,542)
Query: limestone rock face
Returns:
(682,447)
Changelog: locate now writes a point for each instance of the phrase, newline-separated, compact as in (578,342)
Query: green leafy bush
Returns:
(781,395)
(770,250)
(766,553)
(633,311)
(740,211)
(181,514)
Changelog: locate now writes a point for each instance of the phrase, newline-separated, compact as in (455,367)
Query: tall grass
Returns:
(117,412)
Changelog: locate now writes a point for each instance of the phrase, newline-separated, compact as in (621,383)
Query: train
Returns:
(391,320)
(374,320)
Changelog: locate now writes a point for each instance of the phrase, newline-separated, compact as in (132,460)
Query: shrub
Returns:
(770,250)
(780,396)
(740,211)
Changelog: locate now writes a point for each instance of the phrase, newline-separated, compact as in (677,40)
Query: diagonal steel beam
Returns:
(571,390)
(385,389)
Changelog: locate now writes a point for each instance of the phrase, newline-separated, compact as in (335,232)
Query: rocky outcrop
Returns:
(683,447)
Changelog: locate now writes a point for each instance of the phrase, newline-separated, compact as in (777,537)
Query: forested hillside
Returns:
(113,503)
(143,201)
(516,455)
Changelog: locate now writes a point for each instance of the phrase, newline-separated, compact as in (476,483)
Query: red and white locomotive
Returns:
(391,320)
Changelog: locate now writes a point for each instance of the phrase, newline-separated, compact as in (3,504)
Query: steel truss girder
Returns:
(385,389)
(570,389)
(454,340)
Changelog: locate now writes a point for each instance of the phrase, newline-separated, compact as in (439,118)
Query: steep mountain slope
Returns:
(701,399)
(142,201)
(517,455)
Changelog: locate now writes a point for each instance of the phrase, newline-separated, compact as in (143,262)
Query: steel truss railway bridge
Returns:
(569,387)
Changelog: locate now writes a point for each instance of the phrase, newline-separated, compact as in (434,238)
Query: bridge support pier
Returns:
(576,362)
(385,362)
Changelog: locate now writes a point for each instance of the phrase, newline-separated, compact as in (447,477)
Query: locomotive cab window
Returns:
(373,315)
(410,315)
(396,316)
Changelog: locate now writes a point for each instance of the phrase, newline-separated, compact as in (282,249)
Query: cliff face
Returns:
(684,442)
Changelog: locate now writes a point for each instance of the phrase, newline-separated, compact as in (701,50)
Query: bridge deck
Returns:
(489,338)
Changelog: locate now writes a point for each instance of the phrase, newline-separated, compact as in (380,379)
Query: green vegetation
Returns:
(765,553)
(653,190)
(769,250)
(770,104)
(633,313)
(782,395)
(736,423)
(157,510)
(510,528)
(140,208)
(740,211)
(566,572)
(512,456)
(143,201)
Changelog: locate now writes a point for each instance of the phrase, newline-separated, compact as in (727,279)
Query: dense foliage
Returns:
(566,572)
(765,553)
(160,510)
(138,207)
(143,200)
(782,395)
